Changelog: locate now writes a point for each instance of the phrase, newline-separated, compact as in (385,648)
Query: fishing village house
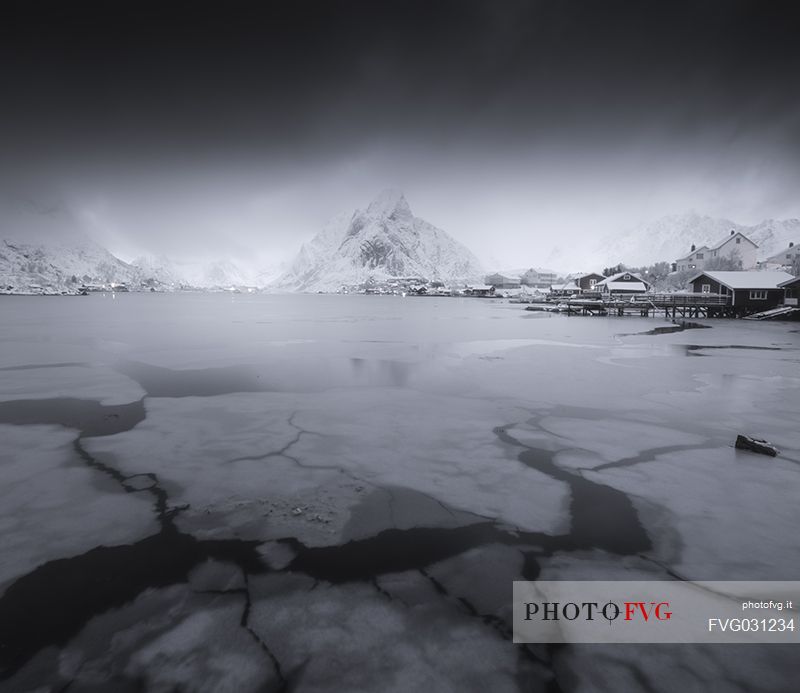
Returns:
(791,291)
(588,282)
(576,284)
(784,259)
(481,290)
(500,281)
(750,291)
(568,288)
(622,284)
(540,278)
(736,247)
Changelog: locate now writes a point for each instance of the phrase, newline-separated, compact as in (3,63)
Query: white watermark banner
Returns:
(656,612)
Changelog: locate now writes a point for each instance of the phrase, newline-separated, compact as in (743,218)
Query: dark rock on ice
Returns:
(755,445)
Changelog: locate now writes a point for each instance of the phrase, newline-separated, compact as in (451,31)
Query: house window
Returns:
(592,282)
(692,266)
(738,240)
(699,256)
(627,277)
(758,295)
(788,256)
(706,288)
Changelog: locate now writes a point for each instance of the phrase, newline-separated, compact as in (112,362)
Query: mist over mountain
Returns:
(382,242)
(44,245)
(217,273)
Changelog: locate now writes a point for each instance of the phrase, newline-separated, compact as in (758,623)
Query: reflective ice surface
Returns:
(232,492)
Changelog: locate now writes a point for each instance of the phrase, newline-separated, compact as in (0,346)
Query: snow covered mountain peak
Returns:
(386,241)
(390,203)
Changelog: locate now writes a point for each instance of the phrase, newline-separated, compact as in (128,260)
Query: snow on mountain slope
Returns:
(773,235)
(384,241)
(672,237)
(45,246)
(60,267)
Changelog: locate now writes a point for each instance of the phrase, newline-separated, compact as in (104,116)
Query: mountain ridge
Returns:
(45,246)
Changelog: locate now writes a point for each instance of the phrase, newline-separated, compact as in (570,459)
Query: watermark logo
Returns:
(657,612)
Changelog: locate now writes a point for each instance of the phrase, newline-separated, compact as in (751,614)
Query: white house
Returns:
(538,277)
(785,258)
(735,246)
(499,281)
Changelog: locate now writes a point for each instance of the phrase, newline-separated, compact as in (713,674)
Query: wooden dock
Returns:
(677,305)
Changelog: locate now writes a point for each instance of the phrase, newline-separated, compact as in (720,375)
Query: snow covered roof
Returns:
(618,276)
(568,286)
(789,281)
(746,279)
(696,250)
(727,238)
(716,246)
(627,286)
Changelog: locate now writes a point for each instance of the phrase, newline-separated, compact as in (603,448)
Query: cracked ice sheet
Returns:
(80,382)
(726,403)
(482,576)
(51,505)
(660,668)
(207,651)
(668,668)
(716,513)
(442,447)
(615,439)
(168,639)
(580,377)
(363,641)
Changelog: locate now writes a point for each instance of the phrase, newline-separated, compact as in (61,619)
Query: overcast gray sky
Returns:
(238,130)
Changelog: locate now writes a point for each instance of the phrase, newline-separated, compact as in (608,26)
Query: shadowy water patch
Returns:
(669,329)
(88,416)
(52,604)
(93,419)
(692,349)
(602,517)
(399,550)
(157,381)
(39,366)
(381,372)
